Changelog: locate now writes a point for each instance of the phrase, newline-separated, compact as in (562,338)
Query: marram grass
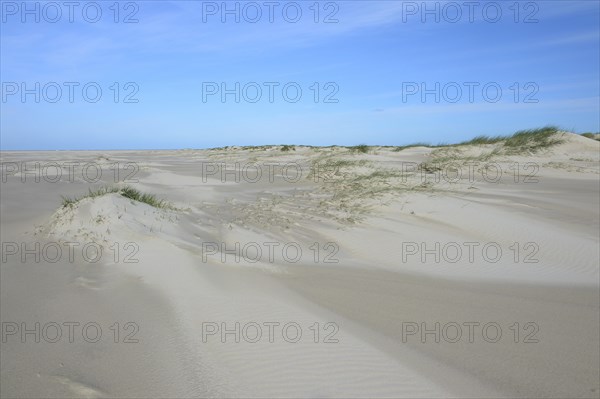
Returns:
(127,192)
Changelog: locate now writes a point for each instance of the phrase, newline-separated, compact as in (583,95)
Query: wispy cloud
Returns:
(592,36)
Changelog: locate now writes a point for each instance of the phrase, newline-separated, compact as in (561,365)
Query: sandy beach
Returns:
(457,271)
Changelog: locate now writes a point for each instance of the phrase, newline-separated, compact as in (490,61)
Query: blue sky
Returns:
(373,57)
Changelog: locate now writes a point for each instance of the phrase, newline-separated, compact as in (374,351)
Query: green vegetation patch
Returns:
(127,192)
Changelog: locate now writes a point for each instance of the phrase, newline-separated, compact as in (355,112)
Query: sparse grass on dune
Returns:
(593,136)
(533,139)
(350,186)
(68,201)
(361,148)
(445,156)
(404,147)
(525,140)
(328,166)
(483,140)
(530,140)
(127,192)
(150,199)
(521,142)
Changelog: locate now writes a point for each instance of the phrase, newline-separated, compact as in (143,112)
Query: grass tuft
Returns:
(288,148)
(483,140)
(593,136)
(127,192)
(150,199)
(361,148)
(67,201)
(533,139)
(522,141)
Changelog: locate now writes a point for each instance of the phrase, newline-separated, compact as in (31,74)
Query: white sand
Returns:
(373,291)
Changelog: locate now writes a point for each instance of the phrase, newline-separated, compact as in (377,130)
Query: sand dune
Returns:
(494,253)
